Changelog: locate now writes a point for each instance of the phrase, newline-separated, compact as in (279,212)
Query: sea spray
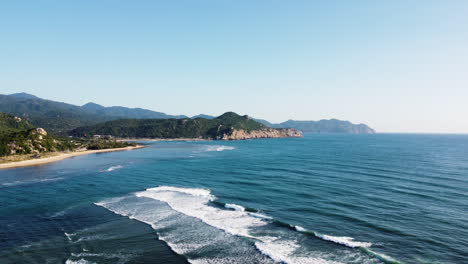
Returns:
(230,218)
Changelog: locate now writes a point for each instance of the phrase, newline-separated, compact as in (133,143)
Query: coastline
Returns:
(59,156)
(162,139)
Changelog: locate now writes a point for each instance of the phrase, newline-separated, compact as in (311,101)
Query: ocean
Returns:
(321,199)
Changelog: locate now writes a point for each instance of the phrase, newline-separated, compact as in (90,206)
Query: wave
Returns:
(349,242)
(79,261)
(235,207)
(184,204)
(195,204)
(113,168)
(15,183)
(218,148)
(345,241)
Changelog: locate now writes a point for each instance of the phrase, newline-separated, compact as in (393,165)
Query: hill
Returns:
(10,124)
(58,117)
(323,126)
(126,112)
(18,137)
(203,116)
(54,116)
(227,126)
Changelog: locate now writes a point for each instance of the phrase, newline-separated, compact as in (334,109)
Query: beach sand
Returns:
(162,139)
(58,156)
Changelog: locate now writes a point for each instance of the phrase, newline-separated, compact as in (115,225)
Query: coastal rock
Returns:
(41,131)
(240,134)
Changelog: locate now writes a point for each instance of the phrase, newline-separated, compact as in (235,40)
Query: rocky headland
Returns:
(240,134)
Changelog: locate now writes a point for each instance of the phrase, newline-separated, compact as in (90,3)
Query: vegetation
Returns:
(33,142)
(58,118)
(18,137)
(171,128)
(107,144)
(9,124)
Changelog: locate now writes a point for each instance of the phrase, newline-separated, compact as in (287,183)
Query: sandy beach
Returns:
(59,156)
(163,139)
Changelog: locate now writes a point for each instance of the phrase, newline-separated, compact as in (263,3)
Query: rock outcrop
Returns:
(240,134)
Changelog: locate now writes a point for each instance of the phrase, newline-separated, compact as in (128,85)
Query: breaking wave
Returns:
(113,168)
(225,232)
(218,148)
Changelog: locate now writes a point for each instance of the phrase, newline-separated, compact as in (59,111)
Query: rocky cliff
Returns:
(240,134)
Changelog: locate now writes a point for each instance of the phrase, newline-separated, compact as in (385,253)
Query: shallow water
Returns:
(384,198)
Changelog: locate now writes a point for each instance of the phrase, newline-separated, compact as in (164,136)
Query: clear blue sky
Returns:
(399,66)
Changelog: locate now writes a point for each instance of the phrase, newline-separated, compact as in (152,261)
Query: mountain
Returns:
(54,116)
(24,96)
(58,117)
(125,112)
(266,123)
(228,126)
(203,116)
(17,136)
(10,124)
(323,126)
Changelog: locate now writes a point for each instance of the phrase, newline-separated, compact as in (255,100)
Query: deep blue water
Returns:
(324,198)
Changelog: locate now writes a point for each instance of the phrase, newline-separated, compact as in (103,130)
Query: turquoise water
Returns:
(384,198)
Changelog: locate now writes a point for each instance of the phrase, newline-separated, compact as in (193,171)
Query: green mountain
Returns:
(203,116)
(125,112)
(323,126)
(53,116)
(216,128)
(58,117)
(10,124)
(17,136)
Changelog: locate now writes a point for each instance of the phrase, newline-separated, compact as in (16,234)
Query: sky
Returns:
(398,66)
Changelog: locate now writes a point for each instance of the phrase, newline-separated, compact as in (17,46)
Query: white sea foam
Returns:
(346,241)
(194,202)
(113,168)
(170,203)
(259,215)
(79,261)
(111,200)
(300,229)
(102,255)
(382,256)
(191,191)
(186,235)
(218,148)
(69,236)
(235,207)
(284,251)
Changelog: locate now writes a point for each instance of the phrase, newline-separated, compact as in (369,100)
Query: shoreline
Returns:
(162,139)
(60,156)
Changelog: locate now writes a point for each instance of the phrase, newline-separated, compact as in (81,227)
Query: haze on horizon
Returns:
(397,66)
